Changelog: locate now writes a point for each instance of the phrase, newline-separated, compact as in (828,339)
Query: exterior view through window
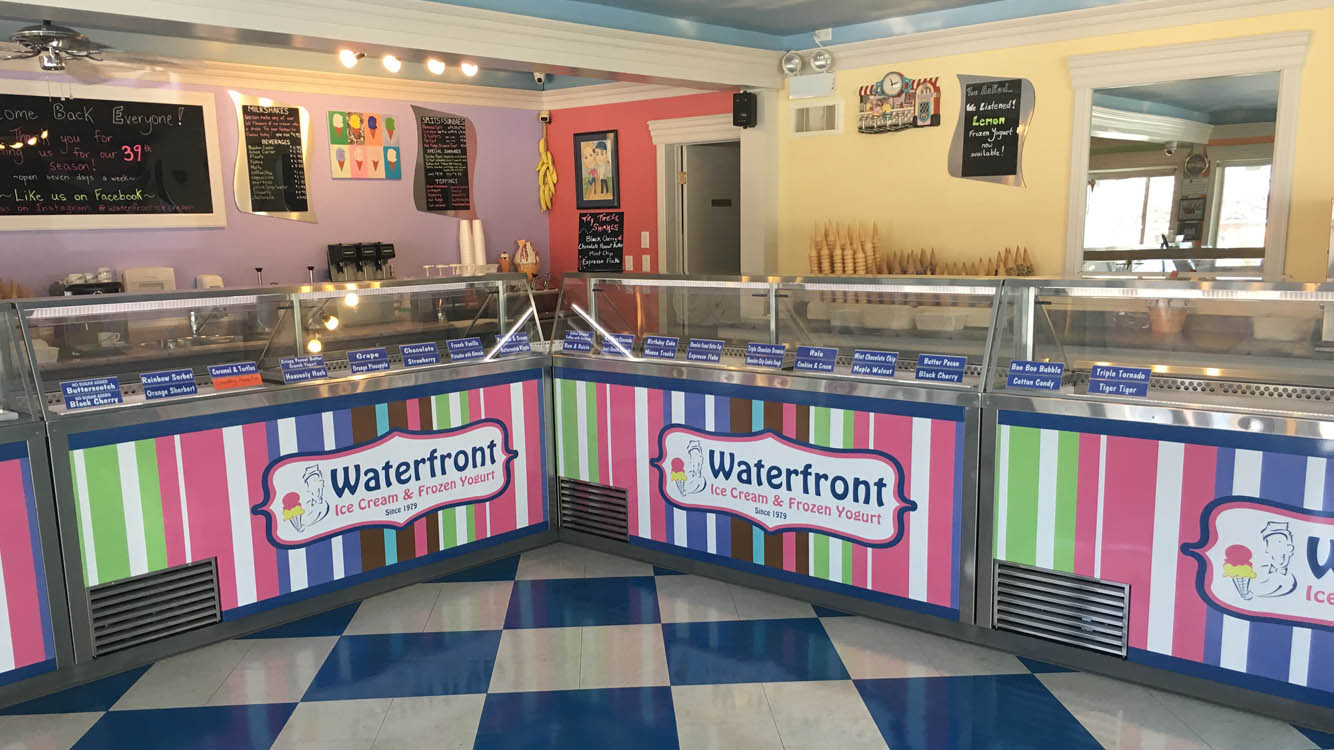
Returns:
(1129,212)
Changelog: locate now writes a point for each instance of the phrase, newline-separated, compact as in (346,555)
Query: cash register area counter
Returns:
(1124,477)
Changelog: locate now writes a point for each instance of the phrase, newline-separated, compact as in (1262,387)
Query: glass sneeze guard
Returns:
(17,400)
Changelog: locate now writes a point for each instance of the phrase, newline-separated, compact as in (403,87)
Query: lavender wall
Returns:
(348,210)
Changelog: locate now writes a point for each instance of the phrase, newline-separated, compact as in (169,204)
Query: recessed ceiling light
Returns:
(469,69)
(349,58)
(391,63)
(436,66)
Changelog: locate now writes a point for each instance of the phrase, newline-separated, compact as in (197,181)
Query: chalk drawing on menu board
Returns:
(364,146)
(272,159)
(185,119)
(994,115)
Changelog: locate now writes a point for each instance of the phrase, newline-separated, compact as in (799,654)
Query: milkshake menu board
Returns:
(991,128)
(72,157)
(275,165)
(601,241)
(444,144)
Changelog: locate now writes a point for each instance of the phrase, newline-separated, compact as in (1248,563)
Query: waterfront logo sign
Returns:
(1267,562)
(781,484)
(387,483)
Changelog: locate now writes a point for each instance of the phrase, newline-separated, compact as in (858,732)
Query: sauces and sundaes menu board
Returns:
(444,145)
(80,157)
(275,165)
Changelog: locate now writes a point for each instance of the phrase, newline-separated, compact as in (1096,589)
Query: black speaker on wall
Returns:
(743,109)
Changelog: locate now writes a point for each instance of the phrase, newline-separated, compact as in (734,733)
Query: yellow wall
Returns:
(901,179)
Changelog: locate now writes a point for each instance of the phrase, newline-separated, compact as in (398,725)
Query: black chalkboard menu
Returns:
(444,144)
(601,241)
(991,128)
(102,157)
(274,163)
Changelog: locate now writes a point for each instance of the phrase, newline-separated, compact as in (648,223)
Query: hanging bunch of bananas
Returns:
(546,175)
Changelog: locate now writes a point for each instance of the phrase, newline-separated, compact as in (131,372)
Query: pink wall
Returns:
(348,210)
(639,165)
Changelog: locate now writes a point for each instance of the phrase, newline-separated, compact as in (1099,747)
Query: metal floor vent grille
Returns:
(1083,612)
(154,606)
(594,509)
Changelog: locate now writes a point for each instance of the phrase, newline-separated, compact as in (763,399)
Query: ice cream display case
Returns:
(1156,484)
(34,627)
(221,455)
(820,434)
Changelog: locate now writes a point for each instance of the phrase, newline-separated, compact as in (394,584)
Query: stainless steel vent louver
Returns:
(150,607)
(1082,612)
(594,508)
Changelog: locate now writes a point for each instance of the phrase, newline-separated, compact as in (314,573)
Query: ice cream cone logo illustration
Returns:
(391,156)
(292,510)
(389,125)
(679,473)
(338,123)
(340,155)
(372,122)
(1237,566)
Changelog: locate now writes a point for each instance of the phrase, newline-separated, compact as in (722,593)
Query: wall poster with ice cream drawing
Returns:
(1225,538)
(364,146)
(871,490)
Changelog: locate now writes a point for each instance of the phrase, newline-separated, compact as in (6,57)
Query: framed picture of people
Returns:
(598,158)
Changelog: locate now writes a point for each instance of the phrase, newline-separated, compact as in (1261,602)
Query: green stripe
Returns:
(820,542)
(150,495)
(110,539)
(1021,533)
(569,426)
(1067,482)
(590,436)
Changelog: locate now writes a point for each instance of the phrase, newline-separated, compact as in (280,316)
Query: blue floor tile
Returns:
(700,653)
(658,570)
(94,696)
(207,728)
(501,570)
(639,718)
(1322,739)
(827,612)
(406,664)
(575,602)
(992,712)
(1040,667)
(332,622)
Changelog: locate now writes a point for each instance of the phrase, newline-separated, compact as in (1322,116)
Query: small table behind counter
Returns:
(218,455)
(823,433)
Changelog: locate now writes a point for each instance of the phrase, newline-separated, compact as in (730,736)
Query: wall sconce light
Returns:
(469,69)
(391,63)
(435,66)
(349,58)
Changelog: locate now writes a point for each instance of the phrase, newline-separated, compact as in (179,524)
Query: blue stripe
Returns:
(352,539)
(281,555)
(1198,435)
(722,421)
(9,451)
(696,520)
(319,556)
(223,418)
(784,395)
(1269,645)
(39,565)
(1213,619)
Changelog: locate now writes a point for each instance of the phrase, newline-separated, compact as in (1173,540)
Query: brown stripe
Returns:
(803,556)
(424,413)
(406,540)
(773,543)
(432,521)
(739,419)
(372,540)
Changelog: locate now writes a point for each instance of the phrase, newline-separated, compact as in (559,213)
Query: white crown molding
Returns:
(1145,15)
(1220,57)
(1115,123)
(702,129)
(484,35)
(612,93)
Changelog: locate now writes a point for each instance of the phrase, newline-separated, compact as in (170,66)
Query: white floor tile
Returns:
(1121,716)
(752,604)
(275,670)
(537,659)
(871,648)
(471,606)
(694,599)
(405,610)
(822,715)
(188,679)
(443,721)
(45,731)
(357,721)
(623,656)
(724,717)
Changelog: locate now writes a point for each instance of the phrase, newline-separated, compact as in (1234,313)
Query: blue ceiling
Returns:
(1223,100)
(780,24)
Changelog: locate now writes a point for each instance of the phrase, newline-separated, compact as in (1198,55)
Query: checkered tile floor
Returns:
(569,648)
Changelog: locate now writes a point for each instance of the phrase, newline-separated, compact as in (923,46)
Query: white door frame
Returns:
(1285,53)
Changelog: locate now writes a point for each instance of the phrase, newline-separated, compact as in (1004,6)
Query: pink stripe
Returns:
(1197,490)
(533,427)
(625,467)
(475,413)
(940,532)
(790,552)
(502,508)
(598,432)
(1086,504)
(861,438)
(414,414)
(1131,478)
(173,525)
(655,424)
(22,599)
(889,565)
(790,423)
(206,498)
(255,438)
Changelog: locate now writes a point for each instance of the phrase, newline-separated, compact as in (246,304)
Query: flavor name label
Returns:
(874,363)
(1041,376)
(418,355)
(704,350)
(168,383)
(619,345)
(462,350)
(816,358)
(387,483)
(660,347)
(941,368)
(765,355)
(577,341)
(89,392)
(783,484)
(303,369)
(234,375)
(517,344)
(1113,380)
(368,360)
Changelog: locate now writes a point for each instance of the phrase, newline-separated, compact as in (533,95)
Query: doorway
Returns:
(707,237)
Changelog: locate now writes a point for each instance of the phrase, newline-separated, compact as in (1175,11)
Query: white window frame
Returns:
(1284,53)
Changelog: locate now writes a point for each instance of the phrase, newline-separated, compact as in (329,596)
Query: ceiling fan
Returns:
(56,47)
